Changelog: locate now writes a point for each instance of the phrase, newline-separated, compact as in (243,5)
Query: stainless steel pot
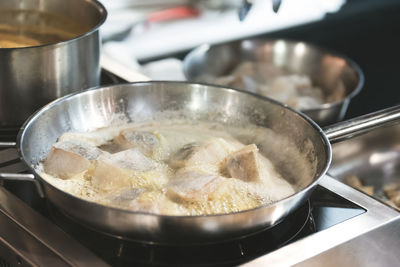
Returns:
(30,77)
(302,157)
(326,69)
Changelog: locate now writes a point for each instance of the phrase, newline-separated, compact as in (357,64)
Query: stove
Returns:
(338,225)
(129,253)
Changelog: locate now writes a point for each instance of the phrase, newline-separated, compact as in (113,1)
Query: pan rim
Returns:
(357,69)
(37,114)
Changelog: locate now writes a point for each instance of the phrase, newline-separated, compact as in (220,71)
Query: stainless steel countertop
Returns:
(369,239)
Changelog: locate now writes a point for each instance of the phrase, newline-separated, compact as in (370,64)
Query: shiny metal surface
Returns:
(23,177)
(140,101)
(33,76)
(27,239)
(369,239)
(373,157)
(360,125)
(378,247)
(8,144)
(325,68)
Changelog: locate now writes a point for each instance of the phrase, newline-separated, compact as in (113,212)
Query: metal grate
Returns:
(4,263)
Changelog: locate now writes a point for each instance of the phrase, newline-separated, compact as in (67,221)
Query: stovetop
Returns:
(38,233)
(331,223)
(127,253)
(323,210)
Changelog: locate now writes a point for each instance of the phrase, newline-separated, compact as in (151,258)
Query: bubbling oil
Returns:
(150,190)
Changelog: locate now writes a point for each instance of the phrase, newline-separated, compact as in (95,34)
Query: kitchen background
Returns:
(365,31)
(338,224)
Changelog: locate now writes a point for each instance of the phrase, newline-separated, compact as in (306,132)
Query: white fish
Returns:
(122,169)
(69,158)
(212,151)
(145,141)
(244,164)
(192,185)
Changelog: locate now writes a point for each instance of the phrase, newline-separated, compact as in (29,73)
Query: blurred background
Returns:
(153,37)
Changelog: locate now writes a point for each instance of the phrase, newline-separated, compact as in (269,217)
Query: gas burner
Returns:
(127,253)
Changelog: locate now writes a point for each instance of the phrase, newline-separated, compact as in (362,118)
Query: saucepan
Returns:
(302,154)
(48,49)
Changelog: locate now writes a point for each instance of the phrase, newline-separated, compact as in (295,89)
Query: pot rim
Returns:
(103,16)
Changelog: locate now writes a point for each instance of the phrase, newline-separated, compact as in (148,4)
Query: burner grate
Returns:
(4,263)
(126,253)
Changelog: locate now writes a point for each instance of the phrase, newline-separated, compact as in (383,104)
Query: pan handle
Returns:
(23,177)
(7,144)
(344,130)
(20,176)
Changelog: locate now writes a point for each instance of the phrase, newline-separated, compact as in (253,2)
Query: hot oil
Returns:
(228,194)
(25,28)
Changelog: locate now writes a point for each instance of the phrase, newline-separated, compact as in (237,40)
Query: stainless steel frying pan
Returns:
(302,156)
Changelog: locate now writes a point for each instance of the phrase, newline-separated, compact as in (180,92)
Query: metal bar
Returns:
(38,239)
(7,144)
(344,130)
(23,177)
(17,176)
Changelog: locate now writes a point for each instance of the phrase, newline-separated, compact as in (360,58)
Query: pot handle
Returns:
(347,129)
(7,144)
(23,177)
(20,176)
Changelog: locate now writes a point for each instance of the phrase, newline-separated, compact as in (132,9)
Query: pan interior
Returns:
(294,145)
(34,22)
(328,71)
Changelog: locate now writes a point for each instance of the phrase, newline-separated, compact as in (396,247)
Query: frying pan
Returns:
(302,153)
(328,70)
